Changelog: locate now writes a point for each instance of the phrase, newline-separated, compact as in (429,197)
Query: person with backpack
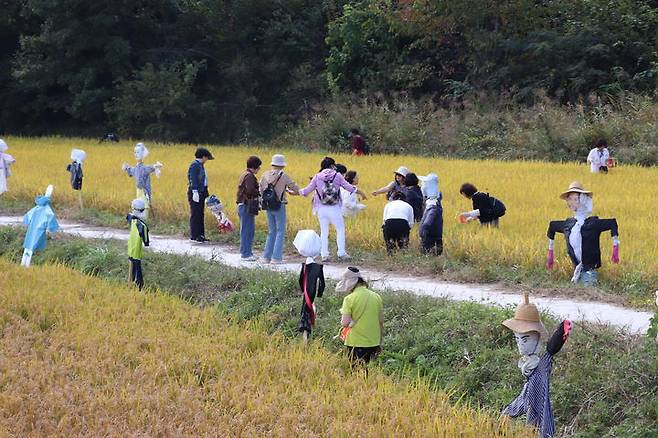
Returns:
(397,185)
(327,204)
(487,209)
(274,185)
(248,200)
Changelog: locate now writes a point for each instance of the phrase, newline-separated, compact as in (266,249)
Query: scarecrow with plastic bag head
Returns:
(75,168)
(39,220)
(535,399)
(142,175)
(224,224)
(311,278)
(582,233)
(6,161)
(431,225)
(138,238)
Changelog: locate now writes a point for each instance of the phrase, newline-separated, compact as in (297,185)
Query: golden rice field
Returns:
(81,356)
(529,189)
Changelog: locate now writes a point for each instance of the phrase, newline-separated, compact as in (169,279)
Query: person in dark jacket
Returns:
(582,234)
(414,196)
(483,206)
(248,206)
(197,192)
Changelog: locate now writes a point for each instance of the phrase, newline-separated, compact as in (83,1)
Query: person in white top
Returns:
(598,157)
(398,220)
(351,204)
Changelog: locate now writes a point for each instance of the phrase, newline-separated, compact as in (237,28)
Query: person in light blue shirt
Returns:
(39,220)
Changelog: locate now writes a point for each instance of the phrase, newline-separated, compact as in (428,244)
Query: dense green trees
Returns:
(236,70)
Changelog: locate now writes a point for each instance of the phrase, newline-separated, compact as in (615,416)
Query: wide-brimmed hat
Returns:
(278,160)
(526,319)
(575,187)
(402,171)
(349,280)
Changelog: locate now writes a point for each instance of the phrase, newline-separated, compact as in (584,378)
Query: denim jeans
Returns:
(247,229)
(276,234)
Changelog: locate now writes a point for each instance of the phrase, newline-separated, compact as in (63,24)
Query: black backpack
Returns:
(269,200)
(331,193)
(497,206)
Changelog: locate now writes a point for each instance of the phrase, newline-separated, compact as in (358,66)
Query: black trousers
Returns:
(433,246)
(361,356)
(396,234)
(197,209)
(135,274)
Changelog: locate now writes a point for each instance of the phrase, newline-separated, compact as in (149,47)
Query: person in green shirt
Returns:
(362,317)
(139,237)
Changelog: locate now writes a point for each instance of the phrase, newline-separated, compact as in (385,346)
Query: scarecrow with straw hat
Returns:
(534,400)
(582,233)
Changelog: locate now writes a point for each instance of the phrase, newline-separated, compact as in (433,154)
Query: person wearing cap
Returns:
(582,233)
(142,175)
(431,224)
(397,185)
(484,206)
(138,238)
(197,192)
(327,204)
(362,318)
(6,161)
(599,156)
(281,184)
(248,202)
(534,401)
(398,221)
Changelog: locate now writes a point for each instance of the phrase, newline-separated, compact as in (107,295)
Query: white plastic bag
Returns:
(307,243)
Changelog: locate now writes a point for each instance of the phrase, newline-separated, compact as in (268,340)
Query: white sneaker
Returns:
(249,259)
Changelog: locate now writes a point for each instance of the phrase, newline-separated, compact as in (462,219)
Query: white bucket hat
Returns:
(349,280)
(278,160)
(402,171)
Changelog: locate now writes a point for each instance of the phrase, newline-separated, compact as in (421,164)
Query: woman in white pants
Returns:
(327,204)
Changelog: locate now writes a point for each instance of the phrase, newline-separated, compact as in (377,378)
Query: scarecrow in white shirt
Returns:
(6,161)
(598,157)
(582,233)
(142,175)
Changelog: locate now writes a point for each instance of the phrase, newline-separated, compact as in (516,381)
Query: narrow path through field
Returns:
(632,320)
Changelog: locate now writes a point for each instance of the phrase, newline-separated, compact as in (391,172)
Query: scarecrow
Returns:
(311,278)
(582,234)
(431,224)
(139,237)
(142,175)
(6,161)
(224,224)
(75,169)
(535,400)
(39,220)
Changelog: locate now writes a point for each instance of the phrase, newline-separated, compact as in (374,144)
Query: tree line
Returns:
(240,70)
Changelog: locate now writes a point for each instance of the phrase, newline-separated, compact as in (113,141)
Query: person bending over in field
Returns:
(582,233)
(398,220)
(487,209)
(397,185)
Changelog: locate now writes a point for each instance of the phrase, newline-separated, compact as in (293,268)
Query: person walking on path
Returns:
(248,200)
(582,233)
(358,143)
(431,224)
(197,192)
(362,318)
(398,220)
(327,204)
(599,156)
(142,175)
(275,184)
(397,185)
(414,195)
(138,238)
(486,208)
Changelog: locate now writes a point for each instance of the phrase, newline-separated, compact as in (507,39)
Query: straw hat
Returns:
(402,171)
(278,160)
(526,319)
(575,187)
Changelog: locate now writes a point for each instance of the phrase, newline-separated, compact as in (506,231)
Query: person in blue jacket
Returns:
(39,220)
(197,193)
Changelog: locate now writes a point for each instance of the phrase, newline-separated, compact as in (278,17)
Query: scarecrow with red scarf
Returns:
(311,279)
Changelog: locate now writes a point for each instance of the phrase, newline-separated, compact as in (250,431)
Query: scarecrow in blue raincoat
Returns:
(39,220)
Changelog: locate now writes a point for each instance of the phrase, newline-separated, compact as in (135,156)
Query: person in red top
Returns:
(358,143)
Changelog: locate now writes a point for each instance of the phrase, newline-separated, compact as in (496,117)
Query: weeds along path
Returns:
(632,320)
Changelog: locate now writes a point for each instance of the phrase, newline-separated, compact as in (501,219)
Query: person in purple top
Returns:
(327,204)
